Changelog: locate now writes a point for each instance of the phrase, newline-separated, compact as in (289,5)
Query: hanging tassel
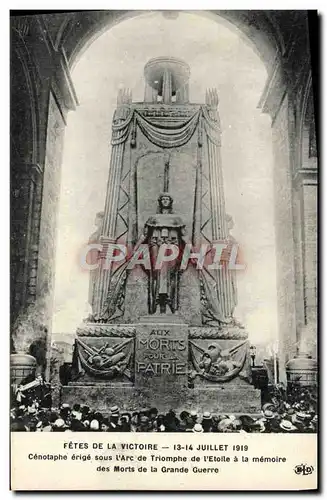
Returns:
(200,132)
(133,133)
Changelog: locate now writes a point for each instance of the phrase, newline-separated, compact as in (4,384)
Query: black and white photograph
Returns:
(163,225)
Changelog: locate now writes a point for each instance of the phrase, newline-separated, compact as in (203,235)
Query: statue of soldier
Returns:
(164,228)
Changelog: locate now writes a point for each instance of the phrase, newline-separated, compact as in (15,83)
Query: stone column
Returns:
(218,212)
(219,226)
(306,190)
(166,87)
(26,181)
(182,94)
(150,94)
(305,194)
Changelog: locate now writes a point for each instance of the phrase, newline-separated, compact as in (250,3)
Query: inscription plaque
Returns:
(161,357)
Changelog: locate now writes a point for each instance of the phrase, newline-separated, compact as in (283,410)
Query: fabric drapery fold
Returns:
(211,125)
(168,135)
(120,130)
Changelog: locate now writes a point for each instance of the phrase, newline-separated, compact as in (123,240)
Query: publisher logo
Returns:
(303,469)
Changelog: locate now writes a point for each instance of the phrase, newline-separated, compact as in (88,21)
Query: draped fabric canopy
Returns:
(166,135)
(166,131)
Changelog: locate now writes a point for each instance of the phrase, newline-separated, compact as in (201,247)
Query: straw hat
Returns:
(300,418)
(286,425)
(268,406)
(94,425)
(268,414)
(114,410)
(224,424)
(303,416)
(197,428)
(59,423)
(47,428)
(206,415)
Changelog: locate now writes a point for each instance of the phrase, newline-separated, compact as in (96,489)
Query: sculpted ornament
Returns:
(217,364)
(106,362)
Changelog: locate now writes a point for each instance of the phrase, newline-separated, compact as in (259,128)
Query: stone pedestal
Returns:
(243,399)
(161,356)
(163,347)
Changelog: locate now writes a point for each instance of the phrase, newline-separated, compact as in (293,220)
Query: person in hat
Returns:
(198,428)
(144,424)
(193,417)
(269,406)
(125,422)
(160,423)
(114,424)
(225,425)
(65,411)
(271,421)
(301,420)
(237,425)
(184,415)
(114,411)
(287,426)
(172,422)
(153,412)
(59,425)
(259,425)
(94,426)
(207,421)
(134,421)
(313,425)
(215,422)
(189,419)
(85,410)
(144,411)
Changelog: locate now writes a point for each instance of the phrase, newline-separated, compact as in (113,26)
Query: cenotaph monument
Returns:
(163,335)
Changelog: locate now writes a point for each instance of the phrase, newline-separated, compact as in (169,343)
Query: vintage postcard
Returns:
(164,250)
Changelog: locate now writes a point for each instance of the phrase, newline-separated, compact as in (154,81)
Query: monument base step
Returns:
(243,399)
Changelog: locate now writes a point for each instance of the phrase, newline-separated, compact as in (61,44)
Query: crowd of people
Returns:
(288,413)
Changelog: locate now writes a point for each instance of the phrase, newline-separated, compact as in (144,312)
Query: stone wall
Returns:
(284,234)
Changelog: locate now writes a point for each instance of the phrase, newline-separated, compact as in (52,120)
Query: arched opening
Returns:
(218,57)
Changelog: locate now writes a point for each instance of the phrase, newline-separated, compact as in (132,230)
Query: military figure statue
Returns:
(165,228)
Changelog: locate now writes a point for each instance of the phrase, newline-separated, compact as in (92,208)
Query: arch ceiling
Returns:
(268,32)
